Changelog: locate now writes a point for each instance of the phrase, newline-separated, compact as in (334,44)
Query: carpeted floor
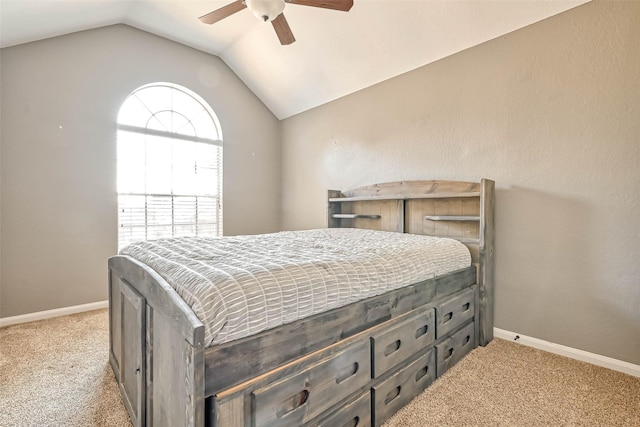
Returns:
(56,373)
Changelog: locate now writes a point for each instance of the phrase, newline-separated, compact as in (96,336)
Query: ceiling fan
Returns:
(271,10)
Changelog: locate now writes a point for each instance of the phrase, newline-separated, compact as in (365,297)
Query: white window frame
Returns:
(147,230)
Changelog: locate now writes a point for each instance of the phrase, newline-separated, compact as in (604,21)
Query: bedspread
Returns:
(238,286)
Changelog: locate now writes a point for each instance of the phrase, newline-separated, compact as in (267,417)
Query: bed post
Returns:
(486,261)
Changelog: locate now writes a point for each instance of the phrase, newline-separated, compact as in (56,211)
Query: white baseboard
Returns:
(573,353)
(41,315)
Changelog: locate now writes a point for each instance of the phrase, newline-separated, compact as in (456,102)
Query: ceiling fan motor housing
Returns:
(266,10)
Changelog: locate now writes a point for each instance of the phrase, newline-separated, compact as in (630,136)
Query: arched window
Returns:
(169,165)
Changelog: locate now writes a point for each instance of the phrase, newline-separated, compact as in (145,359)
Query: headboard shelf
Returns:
(404,197)
(467,241)
(455,209)
(354,216)
(452,218)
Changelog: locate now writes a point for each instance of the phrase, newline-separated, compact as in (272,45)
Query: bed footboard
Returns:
(156,348)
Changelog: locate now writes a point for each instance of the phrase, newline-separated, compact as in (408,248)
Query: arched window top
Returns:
(170,110)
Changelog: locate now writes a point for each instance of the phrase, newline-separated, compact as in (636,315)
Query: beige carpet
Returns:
(56,373)
(508,384)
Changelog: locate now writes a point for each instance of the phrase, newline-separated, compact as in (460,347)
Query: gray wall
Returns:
(60,100)
(552,114)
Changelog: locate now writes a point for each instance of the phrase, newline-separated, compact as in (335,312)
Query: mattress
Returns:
(241,285)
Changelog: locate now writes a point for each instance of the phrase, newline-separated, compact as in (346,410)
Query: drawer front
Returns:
(298,399)
(455,312)
(354,414)
(393,393)
(403,338)
(451,350)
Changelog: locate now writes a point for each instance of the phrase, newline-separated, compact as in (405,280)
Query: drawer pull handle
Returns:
(467,339)
(466,306)
(421,373)
(392,348)
(292,403)
(449,353)
(392,395)
(447,317)
(352,422)
(421,331)
(348,372)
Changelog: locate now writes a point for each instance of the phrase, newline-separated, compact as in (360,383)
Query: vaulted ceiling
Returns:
(335,53)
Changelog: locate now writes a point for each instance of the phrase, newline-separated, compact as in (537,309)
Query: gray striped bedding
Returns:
(239,286)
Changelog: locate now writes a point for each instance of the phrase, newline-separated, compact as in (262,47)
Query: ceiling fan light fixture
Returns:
(266,10)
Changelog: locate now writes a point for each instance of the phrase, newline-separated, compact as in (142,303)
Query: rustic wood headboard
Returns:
(455,209)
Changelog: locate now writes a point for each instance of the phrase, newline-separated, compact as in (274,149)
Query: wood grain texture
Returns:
(405,337)
(231,413)
(115,337)
(282,29)
(193,377)
(132,370)
(171,380)
(308,389)
(149,367)
(446,209)
(381,215)
(333,209)
(260,353)
(356,413)
(397,389)
(223,12)
(486,274)
(169,397)
(455,347)
(177,382)
(297,399)
(455,217)
(160,296)
(455,312)
(416,190)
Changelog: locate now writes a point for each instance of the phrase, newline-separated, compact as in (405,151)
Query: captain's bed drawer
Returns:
(400,387)
(455,312)
(452,349)
(402,338)
(356,413)
(298,399)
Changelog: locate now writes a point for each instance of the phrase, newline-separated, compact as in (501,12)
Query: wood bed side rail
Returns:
(156,347)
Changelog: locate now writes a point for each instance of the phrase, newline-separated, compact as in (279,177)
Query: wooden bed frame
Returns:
(354,365)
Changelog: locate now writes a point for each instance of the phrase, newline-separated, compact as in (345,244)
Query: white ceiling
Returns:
(336,53)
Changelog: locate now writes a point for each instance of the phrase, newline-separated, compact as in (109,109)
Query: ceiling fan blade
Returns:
(343,5)
(223,12)
(283,30)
